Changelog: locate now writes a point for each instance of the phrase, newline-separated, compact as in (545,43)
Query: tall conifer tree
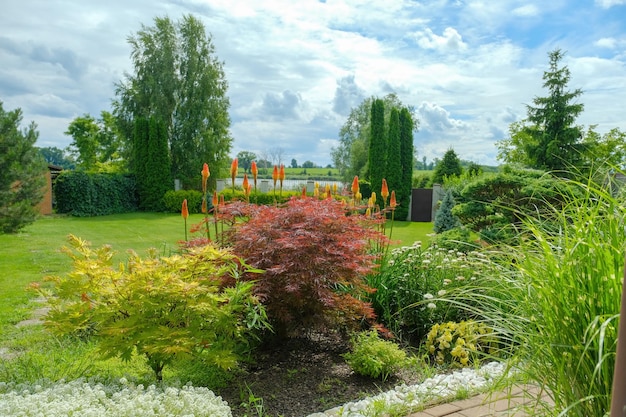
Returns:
(393,171)
(403,194)
(377,159)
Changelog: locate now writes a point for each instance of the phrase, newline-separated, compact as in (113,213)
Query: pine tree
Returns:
(22,172)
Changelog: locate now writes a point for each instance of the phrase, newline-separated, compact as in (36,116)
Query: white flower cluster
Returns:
(432,389)
(81,398)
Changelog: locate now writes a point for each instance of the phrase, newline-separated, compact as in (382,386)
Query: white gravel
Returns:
(432,389)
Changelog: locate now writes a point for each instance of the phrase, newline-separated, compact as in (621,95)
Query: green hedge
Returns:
(173,201)
(83,194)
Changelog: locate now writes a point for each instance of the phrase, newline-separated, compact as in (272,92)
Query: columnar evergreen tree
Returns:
(377,157)
(393,170)
(178,81)
(350,157)
(153,170)
(403,194)
(22,170)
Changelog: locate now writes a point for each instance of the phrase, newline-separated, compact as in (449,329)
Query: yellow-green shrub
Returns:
(374,357)
(162,308)
(459,344)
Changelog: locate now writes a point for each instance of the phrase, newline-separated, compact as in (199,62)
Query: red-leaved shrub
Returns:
(315,258)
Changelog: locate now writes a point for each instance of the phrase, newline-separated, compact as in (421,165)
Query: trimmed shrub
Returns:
(173,201)
(83,194)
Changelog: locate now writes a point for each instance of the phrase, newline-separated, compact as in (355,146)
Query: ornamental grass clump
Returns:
(162,308)
(555,299)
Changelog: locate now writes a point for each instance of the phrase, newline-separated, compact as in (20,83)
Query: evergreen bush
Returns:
(84,194)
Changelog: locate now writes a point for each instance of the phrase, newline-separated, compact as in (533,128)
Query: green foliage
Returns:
(314,258)
(95,143)
(549,139)
(374,357)
(393,169)
(444,219)
(555,298)
(377,155)
(83,194)
(22,170)
(410,283)
(449,166)
(350,157)
(460,344)
(403,193)
(162,308)
(422,181)
(173,201)
(178,81)
(152,163)
(56,156)
(245,159)
(458,240)
(494,205)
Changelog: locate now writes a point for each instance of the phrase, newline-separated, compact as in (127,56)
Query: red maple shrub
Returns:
(315,258)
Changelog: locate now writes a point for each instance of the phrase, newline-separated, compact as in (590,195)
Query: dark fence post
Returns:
(618,398)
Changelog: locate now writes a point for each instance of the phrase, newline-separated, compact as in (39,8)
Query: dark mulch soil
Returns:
(301,377)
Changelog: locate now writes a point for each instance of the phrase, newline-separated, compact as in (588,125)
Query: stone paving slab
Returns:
(510,403)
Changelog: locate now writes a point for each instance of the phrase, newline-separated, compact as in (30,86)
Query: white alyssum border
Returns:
(86,399)
(432,389)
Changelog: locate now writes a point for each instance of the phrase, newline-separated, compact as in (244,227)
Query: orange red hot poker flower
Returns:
(205,176)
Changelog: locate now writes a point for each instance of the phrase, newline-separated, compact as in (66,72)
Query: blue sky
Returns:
(295,68)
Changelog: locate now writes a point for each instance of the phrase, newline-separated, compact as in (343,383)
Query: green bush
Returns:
(413,282)
(173,201)
(460,344)
(161,308)
(373,357)
(83,194)
(457,239)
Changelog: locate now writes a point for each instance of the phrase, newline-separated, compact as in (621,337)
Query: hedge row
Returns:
(84,194)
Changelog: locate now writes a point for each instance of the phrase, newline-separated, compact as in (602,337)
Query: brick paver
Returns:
(510,403)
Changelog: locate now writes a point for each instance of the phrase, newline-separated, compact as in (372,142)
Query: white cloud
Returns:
(451,40)
(435,118)
(610,3)
(528,10)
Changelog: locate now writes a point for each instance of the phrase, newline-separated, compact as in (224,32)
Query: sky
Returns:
(296,68)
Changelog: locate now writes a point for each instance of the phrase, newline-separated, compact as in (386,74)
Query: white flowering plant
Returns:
(89,399)
(413,284)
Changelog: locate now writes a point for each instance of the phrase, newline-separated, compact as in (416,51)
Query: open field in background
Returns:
(35,252)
